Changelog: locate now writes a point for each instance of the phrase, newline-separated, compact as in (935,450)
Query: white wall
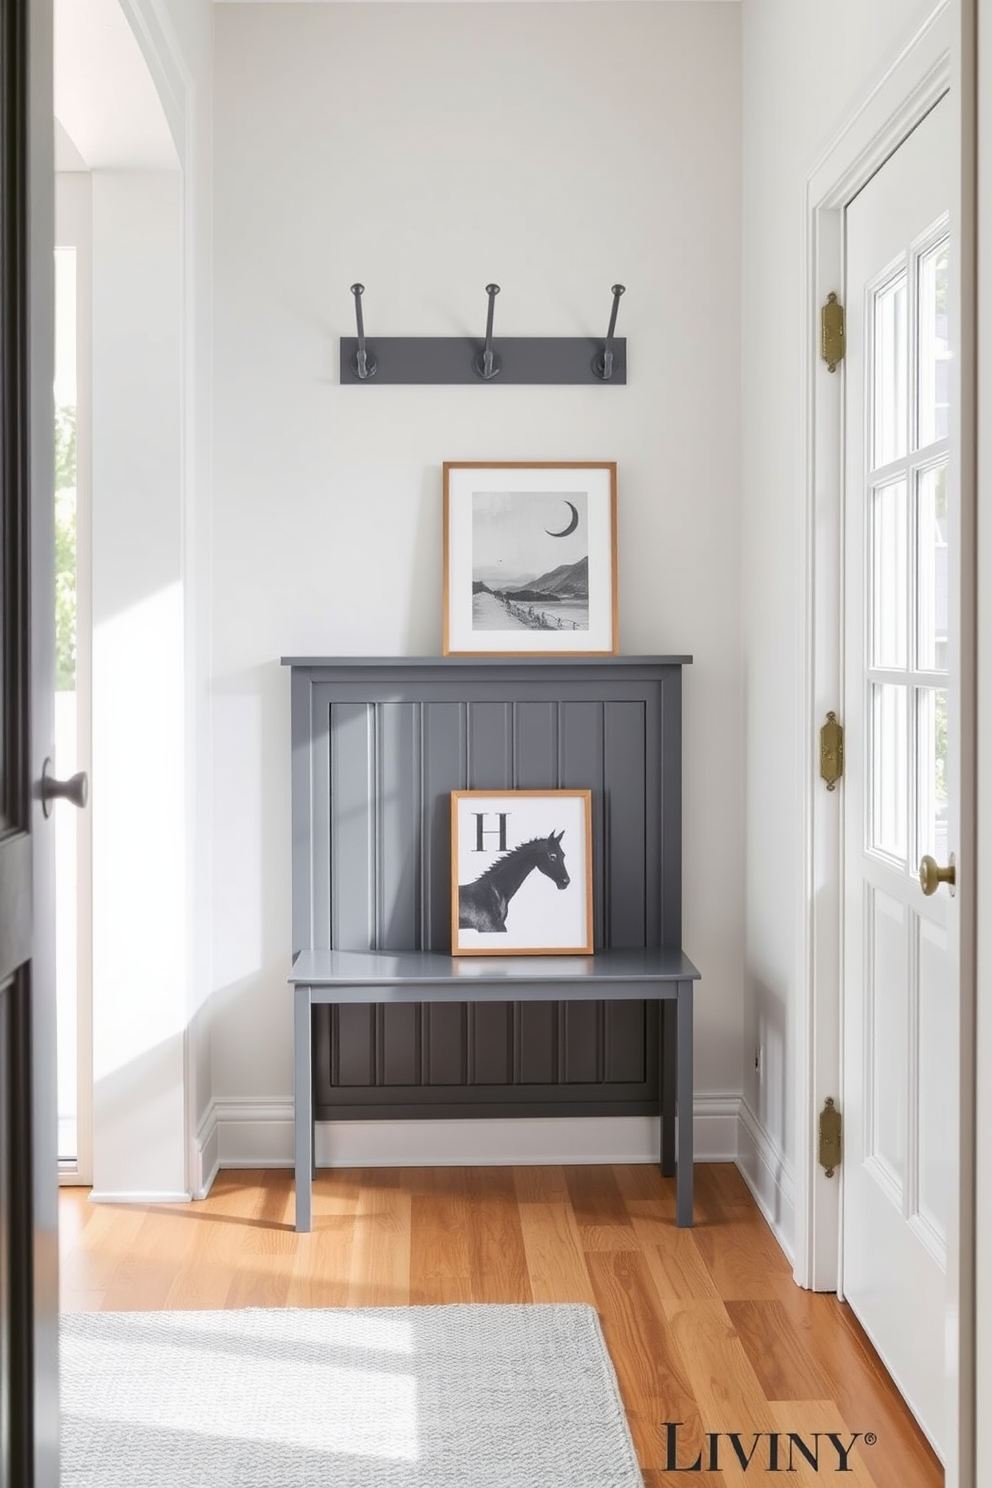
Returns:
(426,150)
(807,64)
(133,92)
(139,1005)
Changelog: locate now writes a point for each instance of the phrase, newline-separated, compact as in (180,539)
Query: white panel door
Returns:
(901,983)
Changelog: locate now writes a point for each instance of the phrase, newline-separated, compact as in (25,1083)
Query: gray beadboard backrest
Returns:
(378,745)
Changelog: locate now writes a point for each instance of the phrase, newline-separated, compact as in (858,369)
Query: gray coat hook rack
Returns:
(511,360)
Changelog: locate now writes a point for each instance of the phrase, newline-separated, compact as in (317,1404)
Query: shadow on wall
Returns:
(139,1125)
(426,569)
(771,1095)
(251,801)
(249,1013)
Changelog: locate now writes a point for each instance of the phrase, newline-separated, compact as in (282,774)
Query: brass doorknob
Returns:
(932,875)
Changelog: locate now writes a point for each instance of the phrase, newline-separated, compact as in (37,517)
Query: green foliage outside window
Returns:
(65,549)
(940,746)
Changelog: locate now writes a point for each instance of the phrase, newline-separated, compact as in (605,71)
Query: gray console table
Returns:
(387,1024)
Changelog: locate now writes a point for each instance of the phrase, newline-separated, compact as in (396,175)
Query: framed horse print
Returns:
(521,873)
(530,559)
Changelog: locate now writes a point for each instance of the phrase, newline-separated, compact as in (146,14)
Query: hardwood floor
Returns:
(705,1326)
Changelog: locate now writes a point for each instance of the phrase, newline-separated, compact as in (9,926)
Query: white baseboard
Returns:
(487,1142)
(242,1134)
(259,1134)
(205,1156)
(138,1196)
(769,1177)
(714,1128)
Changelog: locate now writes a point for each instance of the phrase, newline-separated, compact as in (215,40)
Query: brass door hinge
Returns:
(829,1137)
(832,332)
(831,751)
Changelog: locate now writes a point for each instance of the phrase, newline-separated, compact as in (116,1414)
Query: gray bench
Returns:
(666,975)
(388,1025)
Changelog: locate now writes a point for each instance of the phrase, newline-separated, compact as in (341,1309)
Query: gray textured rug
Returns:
(393,1397)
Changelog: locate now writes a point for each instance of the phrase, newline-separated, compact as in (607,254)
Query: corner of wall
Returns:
(205,1163)
(768,1175)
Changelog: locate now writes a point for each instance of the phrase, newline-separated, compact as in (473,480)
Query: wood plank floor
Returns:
(705,1326)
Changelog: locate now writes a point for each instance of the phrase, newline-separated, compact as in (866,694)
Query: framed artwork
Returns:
(530,559)
(521,873)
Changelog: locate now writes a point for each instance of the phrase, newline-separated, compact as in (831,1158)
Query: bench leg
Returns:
(683,1181)
(303,1109)
(668,1077)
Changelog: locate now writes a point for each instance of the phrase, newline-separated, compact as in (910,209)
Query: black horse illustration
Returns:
(482,905)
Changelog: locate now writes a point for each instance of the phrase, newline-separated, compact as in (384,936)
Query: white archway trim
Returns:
(159,45)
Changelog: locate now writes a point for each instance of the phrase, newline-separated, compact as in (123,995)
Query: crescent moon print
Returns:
(530,561)
(566,531)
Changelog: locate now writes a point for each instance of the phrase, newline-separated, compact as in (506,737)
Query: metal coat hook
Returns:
(538,361)
(602,364)
(487,364)
(363,363)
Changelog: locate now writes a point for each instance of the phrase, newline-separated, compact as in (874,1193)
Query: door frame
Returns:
(980,168)
(74,229)
(939,56)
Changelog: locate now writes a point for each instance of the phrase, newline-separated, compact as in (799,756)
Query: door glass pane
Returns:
(933,353)
(888,784)
(889,373)
(932,772)
(931,544)
(889,575)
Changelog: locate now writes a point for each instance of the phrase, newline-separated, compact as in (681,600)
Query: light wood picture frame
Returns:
(530,558)
(521,873)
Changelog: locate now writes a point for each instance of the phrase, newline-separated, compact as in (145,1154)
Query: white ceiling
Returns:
(105,101)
